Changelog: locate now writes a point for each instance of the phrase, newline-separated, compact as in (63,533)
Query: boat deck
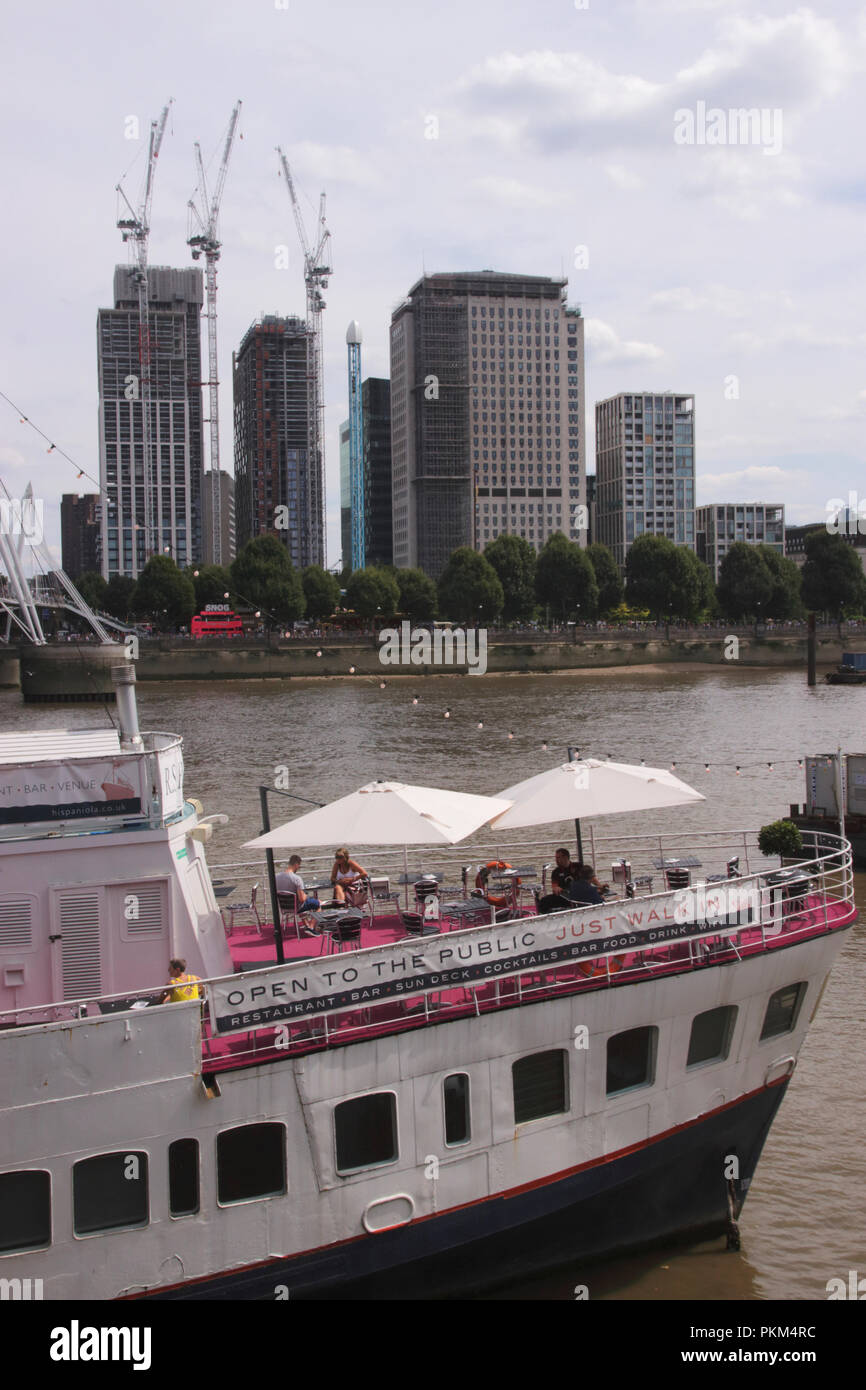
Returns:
(253,948)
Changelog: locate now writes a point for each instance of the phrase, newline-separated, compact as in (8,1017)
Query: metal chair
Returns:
(345,935)
(381,892)
(288,905)
(251,906)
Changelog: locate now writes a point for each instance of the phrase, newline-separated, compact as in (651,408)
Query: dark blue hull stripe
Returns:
(673,1187)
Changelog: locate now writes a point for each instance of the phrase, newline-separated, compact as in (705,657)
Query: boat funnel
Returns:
(124,687)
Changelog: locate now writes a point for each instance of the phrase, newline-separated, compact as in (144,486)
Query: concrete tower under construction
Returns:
(173,363)
(277,487)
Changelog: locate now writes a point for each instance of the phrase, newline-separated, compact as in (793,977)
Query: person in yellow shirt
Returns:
(183,986)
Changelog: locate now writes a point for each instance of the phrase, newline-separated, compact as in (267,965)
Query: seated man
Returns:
(556,900)
(571,869)
(582,889)
(291,882)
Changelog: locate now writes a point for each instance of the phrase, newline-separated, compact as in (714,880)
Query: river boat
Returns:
(851,671)
(410,1103)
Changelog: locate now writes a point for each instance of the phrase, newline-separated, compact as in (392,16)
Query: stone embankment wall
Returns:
(167,659)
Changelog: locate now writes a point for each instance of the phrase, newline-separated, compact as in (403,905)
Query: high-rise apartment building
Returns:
(376,429)
(376,411)
(345,495)
(228,539)
(272,469)
(721,525)
(79,533)
(487,378)
(160,362)
(645,469)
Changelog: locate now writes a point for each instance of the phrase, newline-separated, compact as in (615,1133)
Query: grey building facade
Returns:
(487,389)
(167,355)
(228,536)
(80,523)
(723,524)
(645,469)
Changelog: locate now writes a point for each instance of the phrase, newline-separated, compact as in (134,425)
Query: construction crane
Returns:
(204,240)
(136,231)
(317,269)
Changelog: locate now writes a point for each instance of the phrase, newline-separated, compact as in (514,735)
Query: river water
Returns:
(803,1222)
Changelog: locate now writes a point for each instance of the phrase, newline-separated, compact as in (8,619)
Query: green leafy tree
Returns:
(514,561)
(264,576)
(607,577)
(469,588)
(211,584)
(745,583)
(664,578)
(565,579)
(164,594)
(321,591)
(373,593)
(418,597)
(786,599)
(119,597)
(706,602)
(833,578)
(92,588)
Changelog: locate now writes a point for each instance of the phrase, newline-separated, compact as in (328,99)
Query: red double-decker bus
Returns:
(217,620)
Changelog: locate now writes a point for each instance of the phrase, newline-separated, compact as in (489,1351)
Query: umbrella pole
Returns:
(272,878)
(406,876)
(579,839)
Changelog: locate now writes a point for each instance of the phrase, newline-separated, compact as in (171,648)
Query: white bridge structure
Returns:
(30,580)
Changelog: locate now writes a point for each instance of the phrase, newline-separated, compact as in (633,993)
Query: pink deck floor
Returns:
(254,949)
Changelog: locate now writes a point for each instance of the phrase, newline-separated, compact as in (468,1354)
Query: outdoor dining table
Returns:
(327,919)
(687,861)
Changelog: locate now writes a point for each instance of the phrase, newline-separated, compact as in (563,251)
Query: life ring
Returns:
(592,969)
(495,899)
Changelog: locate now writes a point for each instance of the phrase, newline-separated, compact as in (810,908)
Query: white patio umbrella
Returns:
(387,813)
(590,787)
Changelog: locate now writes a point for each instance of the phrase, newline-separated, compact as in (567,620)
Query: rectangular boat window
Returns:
(183,1199)
(366,1131)
(109,1190)
(711,1035)
(455,1095)
(25,1210)
(783,1010)
(631,1059)
(540,1084)
(251,1162)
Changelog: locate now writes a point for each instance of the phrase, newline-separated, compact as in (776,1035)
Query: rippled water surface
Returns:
(805,1219)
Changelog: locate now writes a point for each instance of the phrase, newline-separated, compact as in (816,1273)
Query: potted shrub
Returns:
(781,837)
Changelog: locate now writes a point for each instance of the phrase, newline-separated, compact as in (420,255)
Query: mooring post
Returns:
(811,649)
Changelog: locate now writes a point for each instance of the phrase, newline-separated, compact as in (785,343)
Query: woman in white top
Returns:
(345,873)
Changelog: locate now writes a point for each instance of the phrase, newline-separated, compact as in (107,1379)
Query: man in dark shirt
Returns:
(582,889)
(556,900)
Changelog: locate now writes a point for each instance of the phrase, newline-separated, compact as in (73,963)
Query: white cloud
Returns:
(606,346)
(796,335)
(11,458)
(515,193)
(756,480)
(623,178)
(723,300)
(318,165)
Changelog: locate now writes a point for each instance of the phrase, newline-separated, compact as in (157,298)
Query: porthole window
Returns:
(711,1034)
(365,1131)
(251,1163)
(25,1210)
(783,1010)
(109,1191)
(540,1085)
(631,1058)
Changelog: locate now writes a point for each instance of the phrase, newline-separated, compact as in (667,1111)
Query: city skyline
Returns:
(552,152)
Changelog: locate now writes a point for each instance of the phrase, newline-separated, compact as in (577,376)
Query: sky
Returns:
(547,139)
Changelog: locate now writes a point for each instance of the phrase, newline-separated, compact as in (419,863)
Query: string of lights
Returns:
(52,447)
